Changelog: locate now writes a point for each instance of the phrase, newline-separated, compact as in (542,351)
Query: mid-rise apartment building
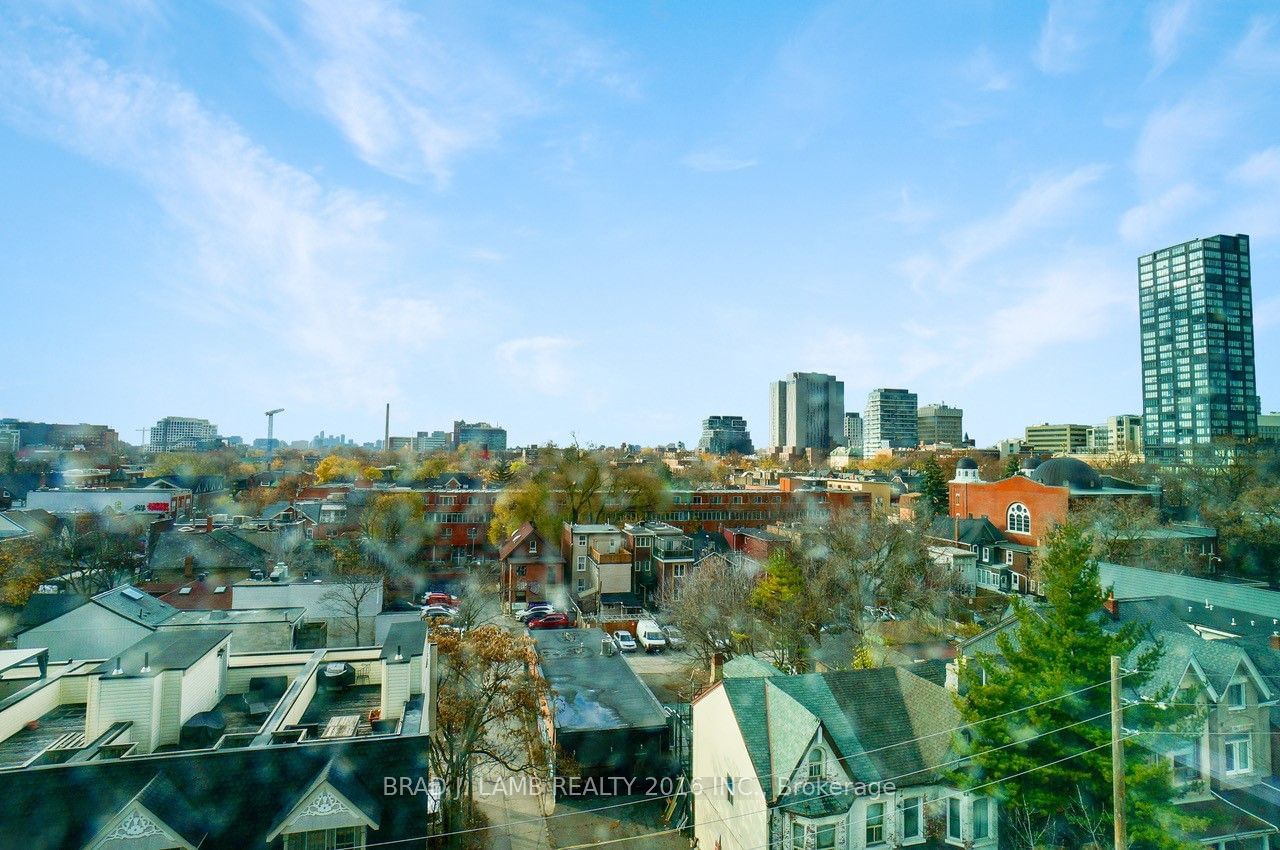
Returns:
(853,433)
(890,421)
(724,434)
(1056,438)
(173,433)
(480,435)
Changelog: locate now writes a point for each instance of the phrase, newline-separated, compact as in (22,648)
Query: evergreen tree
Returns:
(1011,466)
(933,490)
(1065,647)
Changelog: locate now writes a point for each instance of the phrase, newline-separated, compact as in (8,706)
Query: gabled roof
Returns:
(43,607)
(136,605)
(522,536)
(885,724)
(338,792)
(23,522)
(164,650)
(969,531)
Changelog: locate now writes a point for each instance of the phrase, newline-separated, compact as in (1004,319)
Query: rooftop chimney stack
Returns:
(146,662)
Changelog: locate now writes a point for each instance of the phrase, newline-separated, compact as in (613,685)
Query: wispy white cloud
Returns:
(1173,138)
(1045,203)
(539,362)
(982,70)
(1146,221)
(1258,51)
(716,160)
(1169,22)
(413,89)
(910,211)
(1255,186)
(273,251)
(1065,35)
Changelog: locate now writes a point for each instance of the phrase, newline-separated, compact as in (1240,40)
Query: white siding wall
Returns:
(124,698)
(168,717)
(395,689)
(202,684)
(33,707)
(89,631)
(719,751)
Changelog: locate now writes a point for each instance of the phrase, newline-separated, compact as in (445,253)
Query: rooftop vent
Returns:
(184,591)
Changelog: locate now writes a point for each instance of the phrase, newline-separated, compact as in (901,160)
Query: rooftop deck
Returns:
(350,701)
(27,743)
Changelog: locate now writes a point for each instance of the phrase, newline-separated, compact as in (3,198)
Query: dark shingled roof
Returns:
(136,605)
(165,650)
(883,723)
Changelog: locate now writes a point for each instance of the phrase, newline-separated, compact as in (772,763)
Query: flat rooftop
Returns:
(235,616)
(63,722)
(593,691)
(164,651)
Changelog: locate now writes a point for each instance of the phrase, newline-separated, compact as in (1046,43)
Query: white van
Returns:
(650,635)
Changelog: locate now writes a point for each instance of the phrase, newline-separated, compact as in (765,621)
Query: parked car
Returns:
(439,611)
(650,636)
(675,637)
(437,598)
(624,640)
(535,611)
(552,621)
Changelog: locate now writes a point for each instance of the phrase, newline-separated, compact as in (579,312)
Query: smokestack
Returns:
(386,430)
(188,566)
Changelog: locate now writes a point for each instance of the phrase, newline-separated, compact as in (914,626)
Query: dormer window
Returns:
(1235,695)
(533,547)
(815,766)
(1018,519)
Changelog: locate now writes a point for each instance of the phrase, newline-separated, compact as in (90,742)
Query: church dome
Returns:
(1068,471)
(1029,463)
(966,463)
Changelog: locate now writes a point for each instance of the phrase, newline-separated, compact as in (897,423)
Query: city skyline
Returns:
(455,214)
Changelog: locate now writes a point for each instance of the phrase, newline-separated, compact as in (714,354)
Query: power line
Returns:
(839,760)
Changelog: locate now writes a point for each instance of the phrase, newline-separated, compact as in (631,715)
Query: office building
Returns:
(479,434)
(55,435)
(1269,427)
(10,438)
(938,423)
(1056,438)
(890,421)
(853,433)
(806,411)
(182,432)
(1120,434)
(432,441)
(1198,383)
(724,434)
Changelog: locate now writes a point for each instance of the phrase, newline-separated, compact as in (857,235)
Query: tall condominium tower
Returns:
(1197,347)
(806,411)
(890,421)
(853,433)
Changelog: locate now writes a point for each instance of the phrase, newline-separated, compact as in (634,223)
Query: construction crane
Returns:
(271,434)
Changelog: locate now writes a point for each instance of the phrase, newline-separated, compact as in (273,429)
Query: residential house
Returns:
(839,761)
(530,567)
(180,742)
(597,562)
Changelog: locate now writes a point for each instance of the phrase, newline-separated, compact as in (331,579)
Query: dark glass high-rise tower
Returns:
(1198,381)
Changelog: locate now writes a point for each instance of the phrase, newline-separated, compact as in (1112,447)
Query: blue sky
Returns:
(613,219)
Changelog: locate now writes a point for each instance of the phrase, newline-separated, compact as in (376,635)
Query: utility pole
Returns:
(271,435)
(386,430)
(1117,758)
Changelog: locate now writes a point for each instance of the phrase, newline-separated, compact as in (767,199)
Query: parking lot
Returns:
(672,676)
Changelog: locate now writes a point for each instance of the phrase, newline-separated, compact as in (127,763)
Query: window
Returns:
(986,554)
(582,540)
(520,570)
(981,819)
(1018,519)
(1186,764)
(1236,754)
(826,837)
(875,823)
(909,817)
(815,763)
(953,818)
(582,584)
(797,836)
(582,563)
(1008,557)
(1235,695)
(472,531)
(342,838)
(533,547)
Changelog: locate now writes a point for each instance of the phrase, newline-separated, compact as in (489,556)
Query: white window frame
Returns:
(955,828)
(582,563)
(986,554)
(905,804)
(328,838)
(1023,514)
(533,546)
(981,804)
(799,835)
(1008,557)
(819,763)
(818,829)
(582,540)
(1231,749)
(1236,687)
(881,836)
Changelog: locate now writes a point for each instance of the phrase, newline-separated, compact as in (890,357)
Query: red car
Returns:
(552,621)
(441,599)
